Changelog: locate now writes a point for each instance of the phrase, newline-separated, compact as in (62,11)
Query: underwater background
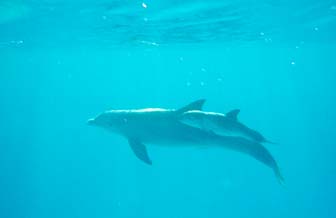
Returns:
(63,62)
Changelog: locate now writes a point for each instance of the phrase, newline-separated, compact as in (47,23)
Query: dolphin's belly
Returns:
(169,133)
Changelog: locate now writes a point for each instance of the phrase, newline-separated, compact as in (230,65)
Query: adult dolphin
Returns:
(162,127)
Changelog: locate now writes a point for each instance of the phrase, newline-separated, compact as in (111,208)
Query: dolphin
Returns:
(162,127)
(222,124)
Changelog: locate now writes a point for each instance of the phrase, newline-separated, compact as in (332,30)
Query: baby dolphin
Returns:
(221,124)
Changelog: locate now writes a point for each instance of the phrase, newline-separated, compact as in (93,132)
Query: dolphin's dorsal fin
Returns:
(196,105)
(233,114)
(140,151)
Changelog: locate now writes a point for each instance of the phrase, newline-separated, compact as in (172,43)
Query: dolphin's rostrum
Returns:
(163,126)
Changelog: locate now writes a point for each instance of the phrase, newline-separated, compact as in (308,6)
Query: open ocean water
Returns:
(63,62)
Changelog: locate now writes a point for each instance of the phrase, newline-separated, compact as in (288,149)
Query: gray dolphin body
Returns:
(222,124)
(162,127)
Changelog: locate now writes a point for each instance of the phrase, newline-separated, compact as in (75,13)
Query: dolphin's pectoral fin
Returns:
(196,105)
(140,151)
(233,114)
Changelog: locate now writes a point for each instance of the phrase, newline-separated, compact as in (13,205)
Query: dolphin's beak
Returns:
(91,121)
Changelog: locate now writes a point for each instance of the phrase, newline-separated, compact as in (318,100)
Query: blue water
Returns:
(63,62)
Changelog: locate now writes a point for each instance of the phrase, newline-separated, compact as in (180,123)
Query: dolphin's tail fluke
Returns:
(260,153)
(279,176)
(255,150)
